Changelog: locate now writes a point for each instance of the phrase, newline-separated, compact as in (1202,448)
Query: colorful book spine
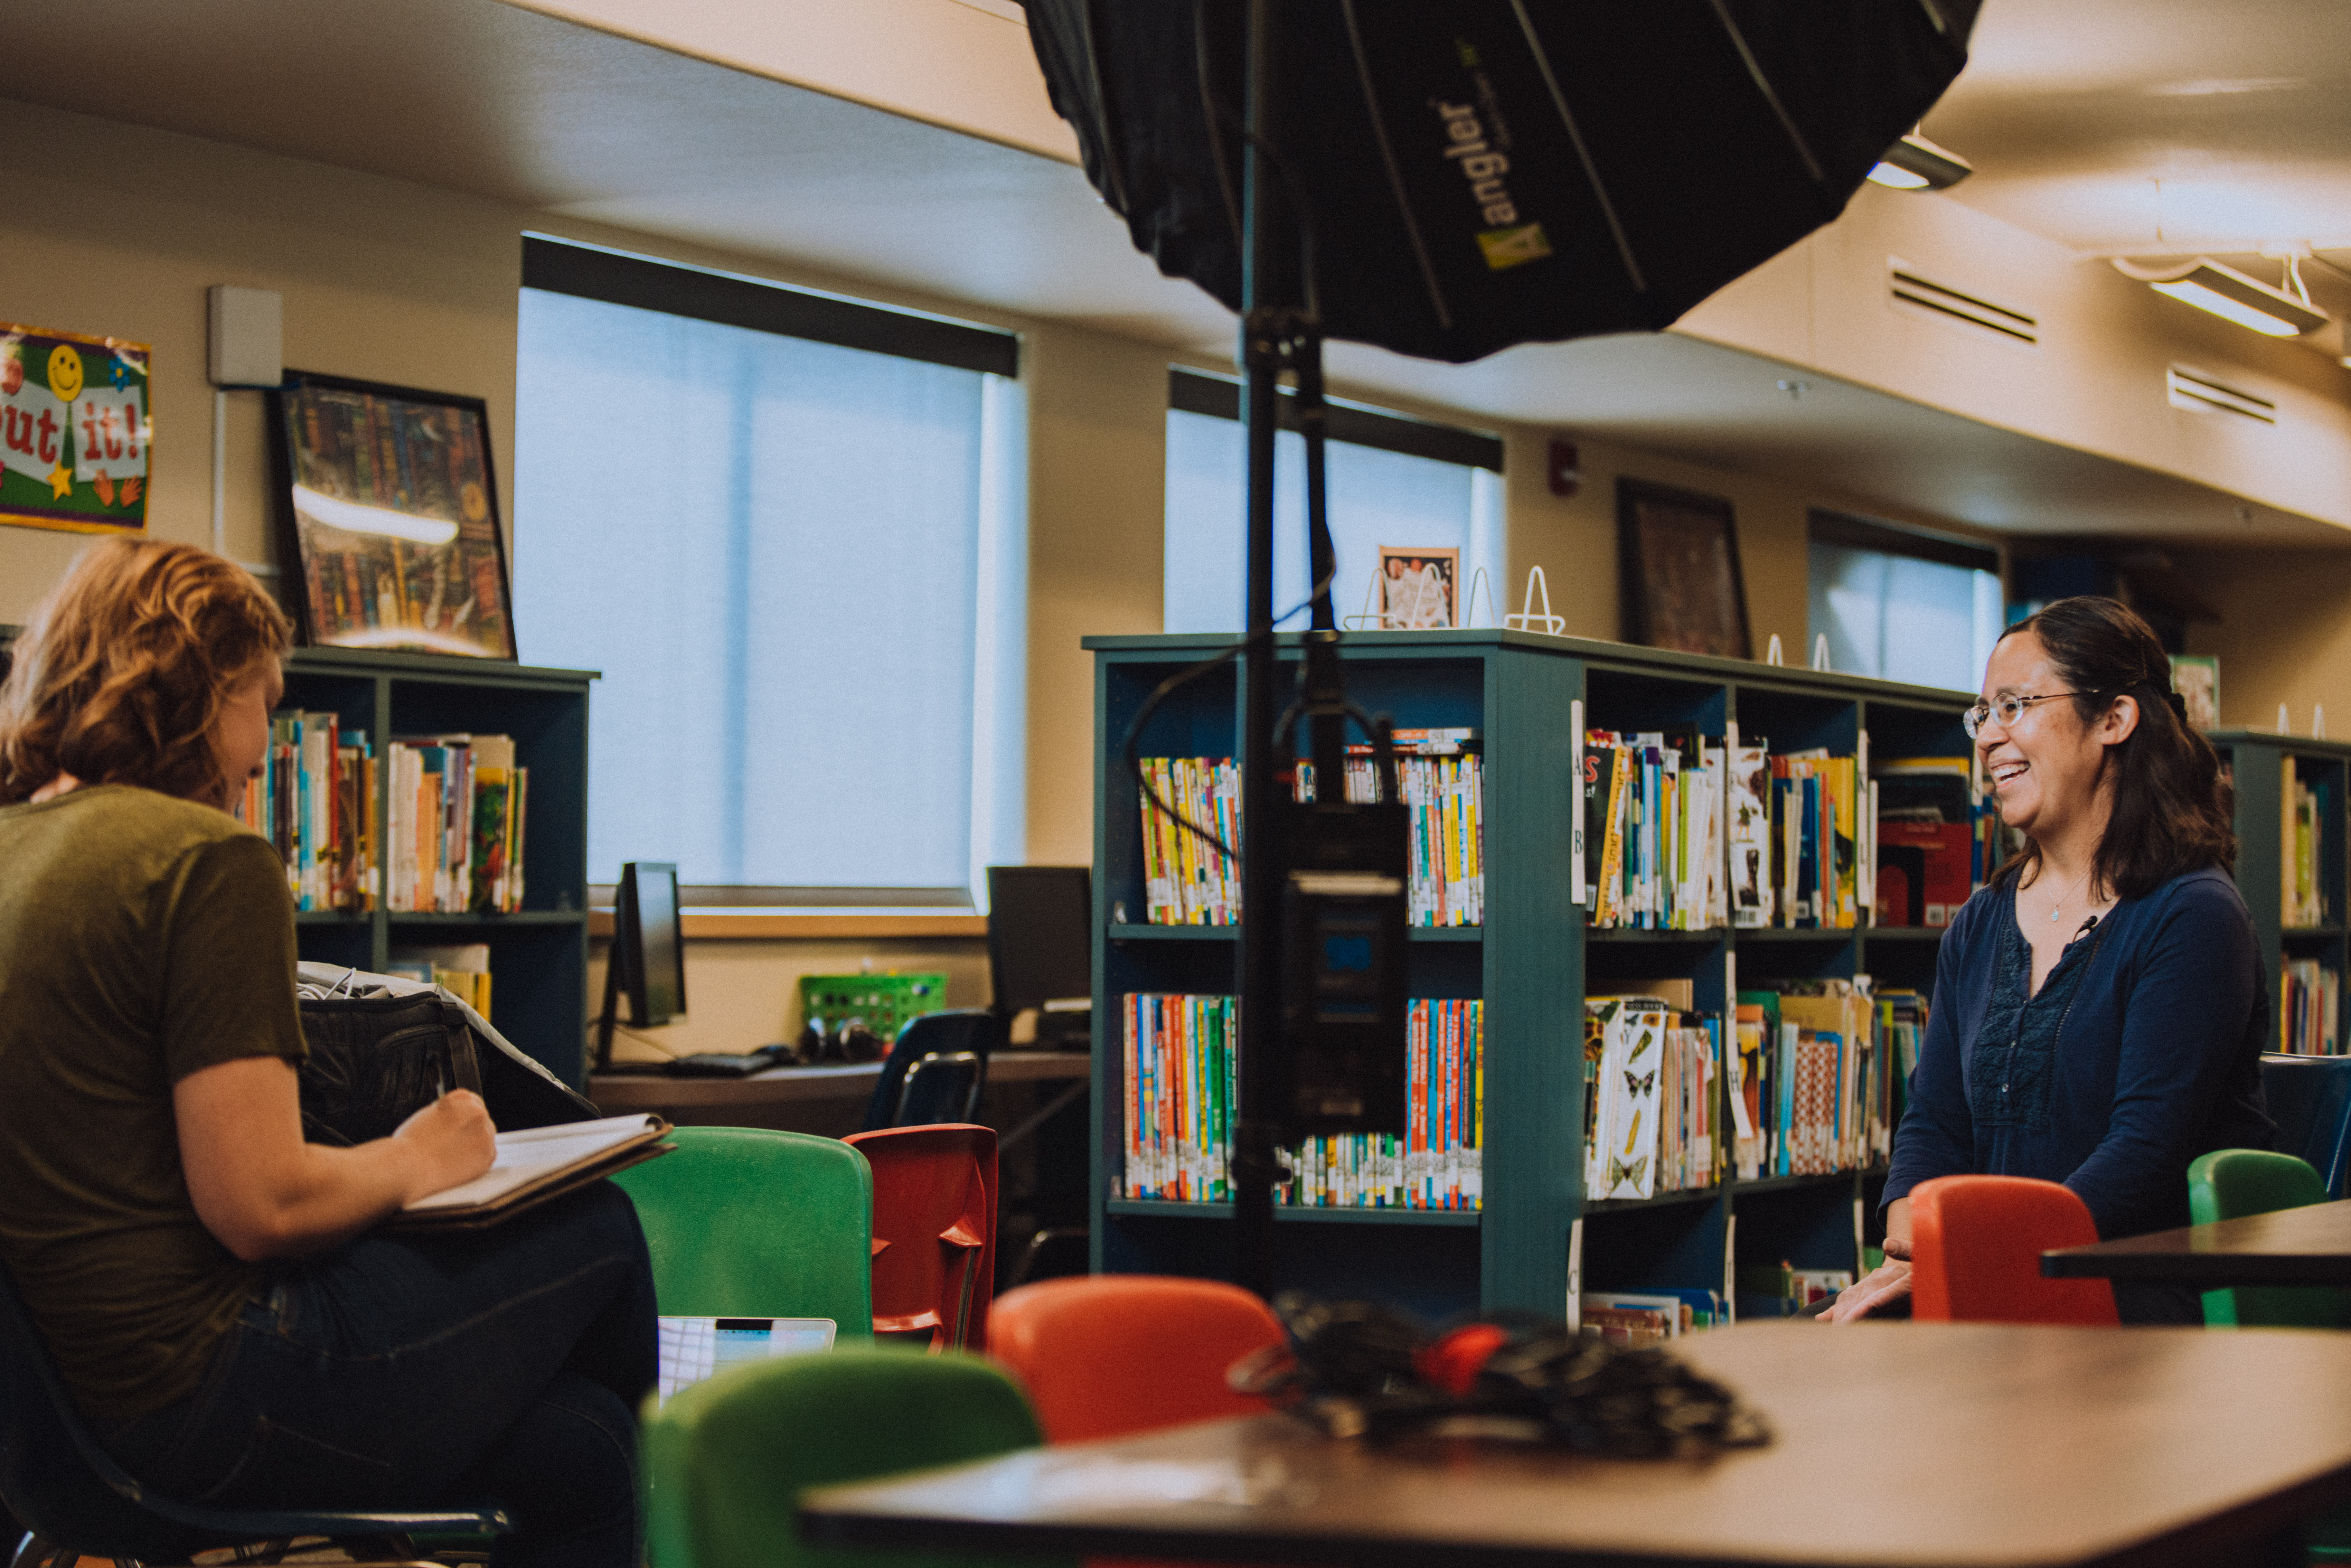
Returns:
(315,801)
(1654,833)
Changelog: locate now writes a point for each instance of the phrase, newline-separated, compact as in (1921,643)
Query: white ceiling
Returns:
(2072,111)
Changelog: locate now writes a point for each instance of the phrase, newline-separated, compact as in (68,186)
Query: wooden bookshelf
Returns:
(1533,962)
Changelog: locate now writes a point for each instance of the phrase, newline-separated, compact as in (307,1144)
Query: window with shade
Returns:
(1903,605)
(780,523)
(1390,481)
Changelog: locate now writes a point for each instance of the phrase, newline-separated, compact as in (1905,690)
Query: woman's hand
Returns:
(449,1142)
(1889,1282)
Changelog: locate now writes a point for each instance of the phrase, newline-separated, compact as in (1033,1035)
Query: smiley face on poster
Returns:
(75,431)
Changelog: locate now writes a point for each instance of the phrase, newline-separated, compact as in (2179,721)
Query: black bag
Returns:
(379,1054)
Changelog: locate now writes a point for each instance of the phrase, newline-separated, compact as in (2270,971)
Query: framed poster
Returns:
(1417,588)
(1678,570)
(73,431)
(387,507)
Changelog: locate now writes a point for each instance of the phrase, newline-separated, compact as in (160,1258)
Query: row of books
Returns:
(1818,1079)
(1935,839)
(463,969)
(1653,839)
(1438,1162)
(1650,1100)
(1652,1314)
(454,824)
(2306,827)
(2310,1009)
(315,800)
(1181,1057)
(1189,881)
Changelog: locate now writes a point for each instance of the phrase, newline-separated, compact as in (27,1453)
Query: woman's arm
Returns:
(2184,1025)
(265,1193)
(1889,1282)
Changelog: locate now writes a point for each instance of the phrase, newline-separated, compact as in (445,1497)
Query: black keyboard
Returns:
(726,1063)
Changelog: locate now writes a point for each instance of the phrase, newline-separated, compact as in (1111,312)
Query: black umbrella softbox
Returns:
(1474,174)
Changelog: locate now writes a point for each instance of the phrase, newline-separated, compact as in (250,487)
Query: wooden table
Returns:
(1898,1446)
(624,1093)
(2308,1246)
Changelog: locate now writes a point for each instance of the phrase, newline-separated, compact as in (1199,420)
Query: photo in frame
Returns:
(1677,572)
(1417,589)
(388,508)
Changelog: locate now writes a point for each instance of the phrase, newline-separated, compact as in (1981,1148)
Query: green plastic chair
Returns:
(743,1222)
(724,1462)
(2230,1184)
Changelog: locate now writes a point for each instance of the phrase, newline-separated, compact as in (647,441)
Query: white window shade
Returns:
(772,548)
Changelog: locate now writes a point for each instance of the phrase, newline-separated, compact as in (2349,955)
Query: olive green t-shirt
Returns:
(142,939)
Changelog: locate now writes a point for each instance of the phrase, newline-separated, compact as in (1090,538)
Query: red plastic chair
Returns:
(933,1230)
(1105,1354)
(1976,1243)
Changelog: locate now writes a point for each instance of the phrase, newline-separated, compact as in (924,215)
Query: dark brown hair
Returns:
(125,667)
(2171,812)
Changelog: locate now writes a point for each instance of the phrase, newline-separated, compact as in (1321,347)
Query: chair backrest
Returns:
(747,1222)
(1106,1355)
(725,1461)
(975,1029)
(934,1230)
(1976,1244)
(2309,1098)
(2229,1183)
(940,1088)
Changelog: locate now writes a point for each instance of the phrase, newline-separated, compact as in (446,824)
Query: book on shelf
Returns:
(1650,1106)
(1648,1316)
(1654,830)
(463,969)
(1766,1290)
(1935,839)
(1181,1060)
(454,818)
(1818,1077)
(315,801)
(1440,778)
(2310,1009)
(2307,816)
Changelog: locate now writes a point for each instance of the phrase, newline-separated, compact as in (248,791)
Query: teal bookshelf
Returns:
(1533,961)
(538,956)
(2259,764)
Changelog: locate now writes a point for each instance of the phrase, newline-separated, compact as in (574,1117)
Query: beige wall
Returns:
(2285,635)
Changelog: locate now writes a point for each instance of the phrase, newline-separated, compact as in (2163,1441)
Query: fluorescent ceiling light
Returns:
(354,519)
(1914,163)
(2229,293)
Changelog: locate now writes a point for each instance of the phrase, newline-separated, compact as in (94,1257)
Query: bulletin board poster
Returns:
(75,433)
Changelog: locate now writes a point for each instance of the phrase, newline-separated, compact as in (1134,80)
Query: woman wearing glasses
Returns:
(2100,1007)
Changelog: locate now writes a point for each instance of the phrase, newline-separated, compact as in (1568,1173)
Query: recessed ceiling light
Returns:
(2230,295)
(1914,163)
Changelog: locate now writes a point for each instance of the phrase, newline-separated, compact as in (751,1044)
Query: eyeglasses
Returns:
(2009,709)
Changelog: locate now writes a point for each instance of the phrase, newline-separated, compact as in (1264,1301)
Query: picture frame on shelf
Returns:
(1677,572)
(387,510)
(2197,678)
(1418,587)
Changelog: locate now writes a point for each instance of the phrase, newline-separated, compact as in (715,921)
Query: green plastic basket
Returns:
(885,1001)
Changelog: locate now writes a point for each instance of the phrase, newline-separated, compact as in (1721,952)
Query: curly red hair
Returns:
(125,667)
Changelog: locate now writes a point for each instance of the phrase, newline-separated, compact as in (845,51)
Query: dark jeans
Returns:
(407,1370)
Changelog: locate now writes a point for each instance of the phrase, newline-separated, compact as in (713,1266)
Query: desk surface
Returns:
(2308,1246)
(1898,1446)
(622,1093)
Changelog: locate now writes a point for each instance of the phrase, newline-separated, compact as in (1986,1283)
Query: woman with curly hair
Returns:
(213,1287)
(2100,1007)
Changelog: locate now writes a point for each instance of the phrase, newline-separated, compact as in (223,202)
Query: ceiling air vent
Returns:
(1912,290)
(2200,393)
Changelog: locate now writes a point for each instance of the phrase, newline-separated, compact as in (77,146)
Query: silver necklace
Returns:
(2069,893)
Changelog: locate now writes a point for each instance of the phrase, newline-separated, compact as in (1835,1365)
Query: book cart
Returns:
(1535,1238)
(538,955)
(2260,764)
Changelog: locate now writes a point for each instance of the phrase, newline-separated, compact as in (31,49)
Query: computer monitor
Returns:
(1040,946)
(646,962)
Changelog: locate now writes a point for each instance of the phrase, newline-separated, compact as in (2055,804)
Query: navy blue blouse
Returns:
(2141,1051)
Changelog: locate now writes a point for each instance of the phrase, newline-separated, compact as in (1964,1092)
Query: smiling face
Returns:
(2045,770)
(240,732)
